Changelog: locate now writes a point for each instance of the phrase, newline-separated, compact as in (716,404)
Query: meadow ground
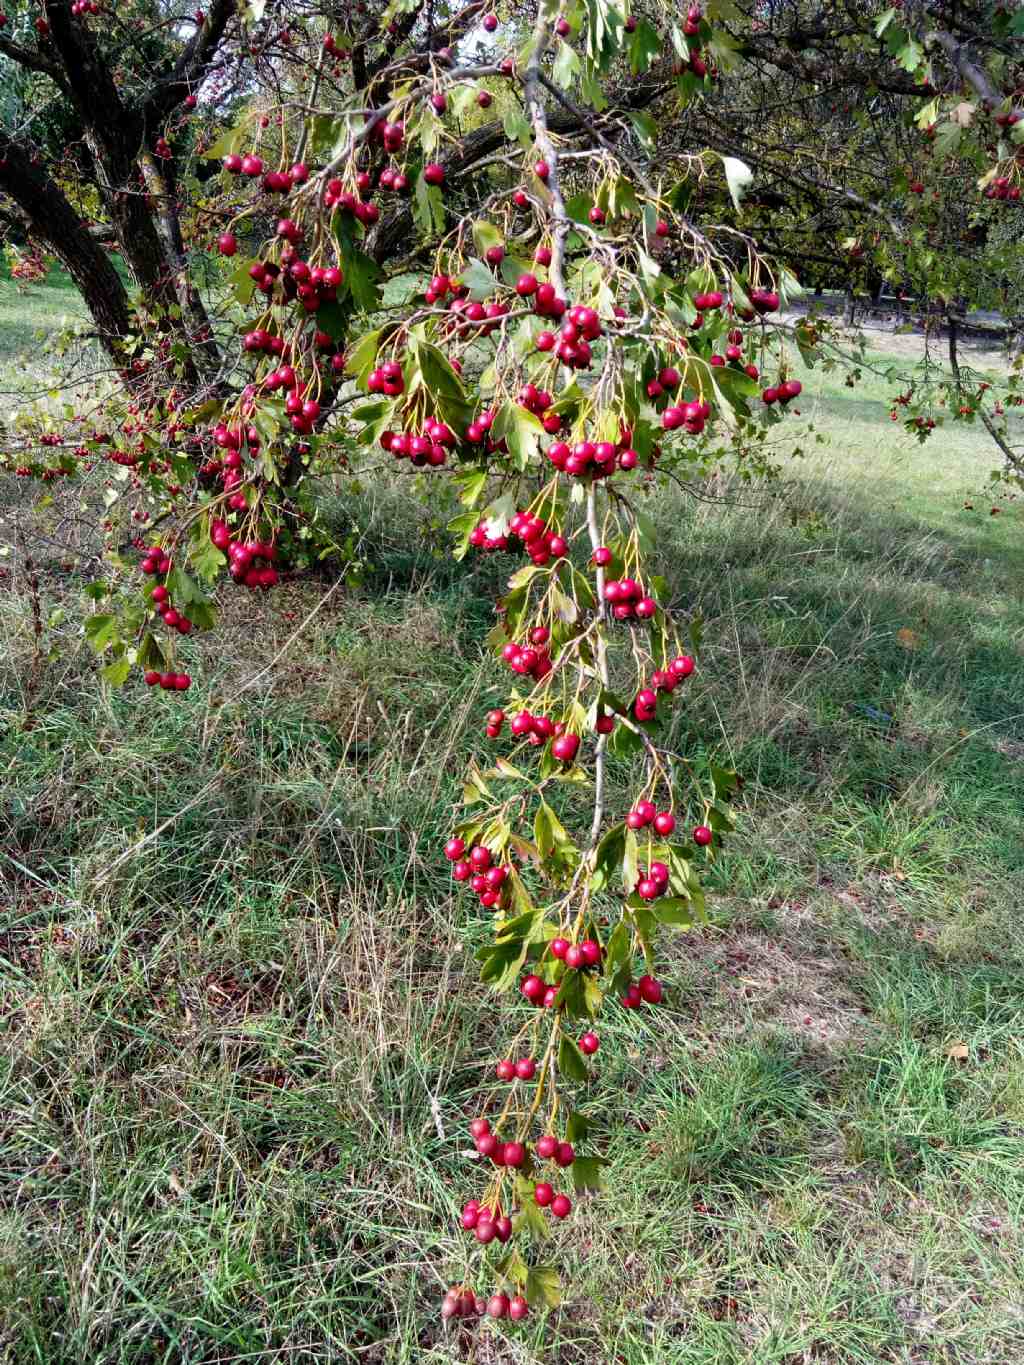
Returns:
(239,1054)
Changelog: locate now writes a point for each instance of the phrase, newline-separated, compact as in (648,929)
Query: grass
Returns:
(240,1048)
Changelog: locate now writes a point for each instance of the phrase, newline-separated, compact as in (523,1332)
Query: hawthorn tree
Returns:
(542,256)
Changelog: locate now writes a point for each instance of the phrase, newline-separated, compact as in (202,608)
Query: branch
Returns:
(192,65)
(538,116)
(33,60)
(968,71)
(1009,454)
(88,79)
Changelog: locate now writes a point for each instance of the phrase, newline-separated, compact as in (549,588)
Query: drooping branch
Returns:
(1015,461)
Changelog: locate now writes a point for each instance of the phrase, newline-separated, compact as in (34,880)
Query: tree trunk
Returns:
(51,220)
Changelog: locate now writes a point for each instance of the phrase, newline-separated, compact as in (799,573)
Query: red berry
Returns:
(480,857)
(514,1154)
(543,1194)
(664,822)
(518,1308)
(454,849)
(561,1206)
(486,1144)
(486,1231)
(589,1044)
(505,1070)
(565,1154)
(702,835)
(559,946)
(650,990)
(479,1126)
(526,1068)
(547,1146)
(533,988)
(497,1306)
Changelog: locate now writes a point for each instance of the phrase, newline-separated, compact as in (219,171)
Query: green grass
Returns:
(241,1038)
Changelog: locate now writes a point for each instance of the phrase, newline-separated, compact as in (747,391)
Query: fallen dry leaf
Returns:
(958,1052)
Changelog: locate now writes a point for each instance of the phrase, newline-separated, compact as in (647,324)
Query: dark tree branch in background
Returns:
(968,71)
(51,219)
(192,65)
(33,60)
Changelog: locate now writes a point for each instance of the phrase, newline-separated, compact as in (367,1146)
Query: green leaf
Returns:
(675,910)
(548,830)
(578,1126)
(566,66)
(101,630)
(608,857)
(485,235)
(428,207)
(543,1287)
(116,673)
(570,1060)
(517,127)
(644,46)
(911,56)
(501,963)
(645,128)
(362,356)
(587,1173)
(478,279)
(593,996)
(361,276)
(531,1216)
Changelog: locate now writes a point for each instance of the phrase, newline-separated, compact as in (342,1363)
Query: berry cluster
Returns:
(593,459)
(1002,189)
(645,813)
(526,660)
(627,599)
(486,879)
(782,393)
(429,447)
(170,682)
(646,991)
(387,379)
(691,416)
(538,401)
(463,1303)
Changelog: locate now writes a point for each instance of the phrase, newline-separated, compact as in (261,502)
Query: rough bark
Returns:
(49,218)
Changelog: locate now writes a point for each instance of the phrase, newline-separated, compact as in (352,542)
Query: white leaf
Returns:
(738,176)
